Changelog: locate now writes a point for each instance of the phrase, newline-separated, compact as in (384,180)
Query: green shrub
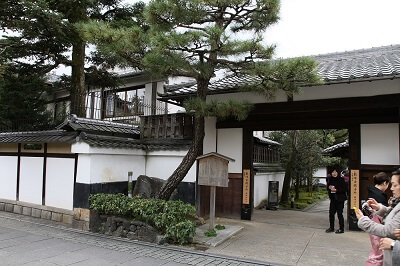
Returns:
(220,227)
(210,233)
(174,219)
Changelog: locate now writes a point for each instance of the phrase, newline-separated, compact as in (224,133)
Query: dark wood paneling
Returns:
(317,114)
(228,200)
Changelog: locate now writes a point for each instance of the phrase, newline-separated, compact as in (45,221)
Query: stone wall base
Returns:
(78,218)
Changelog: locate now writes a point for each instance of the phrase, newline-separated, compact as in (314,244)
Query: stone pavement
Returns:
(282,237)
(27,241)
(292,237)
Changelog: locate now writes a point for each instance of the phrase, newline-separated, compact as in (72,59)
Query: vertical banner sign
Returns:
(355,187)
(246,186)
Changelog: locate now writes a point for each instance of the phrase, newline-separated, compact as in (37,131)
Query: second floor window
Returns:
(125,103)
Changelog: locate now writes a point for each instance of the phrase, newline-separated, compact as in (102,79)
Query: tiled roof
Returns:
(130,143)
(330,149)
(85,124)
(369,64)
(265,141)
(38,136)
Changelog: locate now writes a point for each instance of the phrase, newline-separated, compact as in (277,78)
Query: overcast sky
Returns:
(309,27)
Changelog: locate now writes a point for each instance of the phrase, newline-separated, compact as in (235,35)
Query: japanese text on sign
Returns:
(246,186)
(354,195)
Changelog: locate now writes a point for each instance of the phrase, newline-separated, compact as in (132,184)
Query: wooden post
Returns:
(212,207)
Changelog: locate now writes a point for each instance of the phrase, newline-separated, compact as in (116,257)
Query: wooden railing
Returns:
(265,154)
(176,126)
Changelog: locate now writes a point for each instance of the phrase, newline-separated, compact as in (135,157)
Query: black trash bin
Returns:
(273,195)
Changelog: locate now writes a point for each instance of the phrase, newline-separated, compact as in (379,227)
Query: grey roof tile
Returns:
(38,136)
(374,63)
(330,149)
(86,124)
(130,143)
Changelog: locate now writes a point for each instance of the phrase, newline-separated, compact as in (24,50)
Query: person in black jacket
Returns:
(377,192)
(337,190)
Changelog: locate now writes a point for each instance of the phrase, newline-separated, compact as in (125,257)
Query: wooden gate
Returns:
(228,201)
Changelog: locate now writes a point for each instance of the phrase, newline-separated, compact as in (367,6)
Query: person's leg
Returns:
(340,206)
(332,211)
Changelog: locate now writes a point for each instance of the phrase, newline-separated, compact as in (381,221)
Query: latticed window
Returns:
(265,154)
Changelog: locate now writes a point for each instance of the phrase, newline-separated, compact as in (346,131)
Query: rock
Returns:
(118,232)
(160,240)
(127,224)
(95,221)
(131,235)
(133,228)
(147,187)
(147,233)
(113,226)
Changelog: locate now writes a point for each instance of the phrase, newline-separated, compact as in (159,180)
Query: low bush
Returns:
(174,219)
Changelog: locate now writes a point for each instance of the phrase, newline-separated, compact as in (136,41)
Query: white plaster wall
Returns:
(356,89)
(210,139)
(31,180)
(60,183)
(380,144)
(83,169)
(114,168)
(321,174)
(230,144)
(162,166)
(261,184)
(8,177)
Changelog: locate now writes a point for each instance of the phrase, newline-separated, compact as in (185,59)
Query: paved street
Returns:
(282,237)
(25,242)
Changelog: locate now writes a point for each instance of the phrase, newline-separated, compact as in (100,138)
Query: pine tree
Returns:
(41,35)
(193,38)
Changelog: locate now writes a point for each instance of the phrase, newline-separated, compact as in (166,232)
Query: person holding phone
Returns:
(337,190)
(391,219)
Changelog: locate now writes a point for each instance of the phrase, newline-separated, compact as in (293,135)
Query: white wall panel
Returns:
(261,184)
(230,144)
(380,144)
(115,168)
(348,90)
(60,183)
(31,180)
(8,177)
(163,166)
(83,169)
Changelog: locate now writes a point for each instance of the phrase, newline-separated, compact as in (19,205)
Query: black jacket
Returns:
(378,195)
(341,188)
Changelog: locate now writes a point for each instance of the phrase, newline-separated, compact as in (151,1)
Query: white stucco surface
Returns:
(380,144)
(8,177)
(31,180)
(60,183)
(344,90)
(115,168)
(261,184)
(83,169)
(163,166)
(230,144)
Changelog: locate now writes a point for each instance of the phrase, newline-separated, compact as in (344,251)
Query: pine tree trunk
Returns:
(78,92)
(289,170)
(194,151)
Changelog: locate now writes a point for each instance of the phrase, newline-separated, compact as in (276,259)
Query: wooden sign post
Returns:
(213,172)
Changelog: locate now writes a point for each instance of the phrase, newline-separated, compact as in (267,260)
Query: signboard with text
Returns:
(355,188)
(246,186)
